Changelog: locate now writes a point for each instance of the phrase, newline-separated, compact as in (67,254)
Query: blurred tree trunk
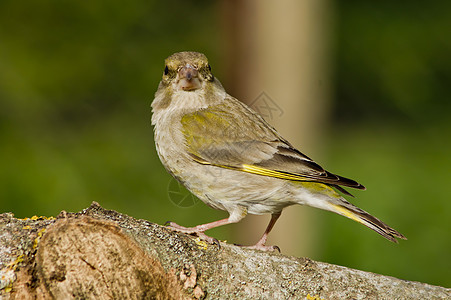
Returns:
(281,49)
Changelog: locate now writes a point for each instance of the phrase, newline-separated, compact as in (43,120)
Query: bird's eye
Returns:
(209,67)
(166,70)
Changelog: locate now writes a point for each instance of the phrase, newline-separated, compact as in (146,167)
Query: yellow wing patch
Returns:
(256,170)
(271,173)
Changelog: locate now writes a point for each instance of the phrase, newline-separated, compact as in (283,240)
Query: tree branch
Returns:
(99,253)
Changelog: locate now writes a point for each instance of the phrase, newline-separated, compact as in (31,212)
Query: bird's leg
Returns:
(236,215)
(199,229)
(261,243)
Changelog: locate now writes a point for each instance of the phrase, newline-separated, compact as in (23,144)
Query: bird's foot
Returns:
(193,230)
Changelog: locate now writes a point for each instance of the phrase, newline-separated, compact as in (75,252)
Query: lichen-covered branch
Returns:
(99,254)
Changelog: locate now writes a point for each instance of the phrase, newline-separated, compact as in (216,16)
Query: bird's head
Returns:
(187,71)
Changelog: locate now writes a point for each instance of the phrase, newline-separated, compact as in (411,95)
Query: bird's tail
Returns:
(354,213)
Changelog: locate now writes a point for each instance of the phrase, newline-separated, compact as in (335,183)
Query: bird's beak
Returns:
(188,78)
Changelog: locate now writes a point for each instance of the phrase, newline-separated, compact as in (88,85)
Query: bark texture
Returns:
(102,254)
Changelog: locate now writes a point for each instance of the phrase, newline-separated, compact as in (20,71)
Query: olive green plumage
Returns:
(229,157)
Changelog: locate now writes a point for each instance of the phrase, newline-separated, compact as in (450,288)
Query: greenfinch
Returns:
(232,159)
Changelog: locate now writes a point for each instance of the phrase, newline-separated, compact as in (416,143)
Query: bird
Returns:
(229,157)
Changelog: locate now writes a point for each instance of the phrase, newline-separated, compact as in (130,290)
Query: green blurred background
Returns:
(77,79)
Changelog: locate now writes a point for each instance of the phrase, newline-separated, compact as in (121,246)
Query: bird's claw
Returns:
(193,231)
(208,239)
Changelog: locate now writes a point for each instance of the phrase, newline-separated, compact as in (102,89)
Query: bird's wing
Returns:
(231,135)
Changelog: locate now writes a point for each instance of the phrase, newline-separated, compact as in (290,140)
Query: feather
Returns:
(219,137)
